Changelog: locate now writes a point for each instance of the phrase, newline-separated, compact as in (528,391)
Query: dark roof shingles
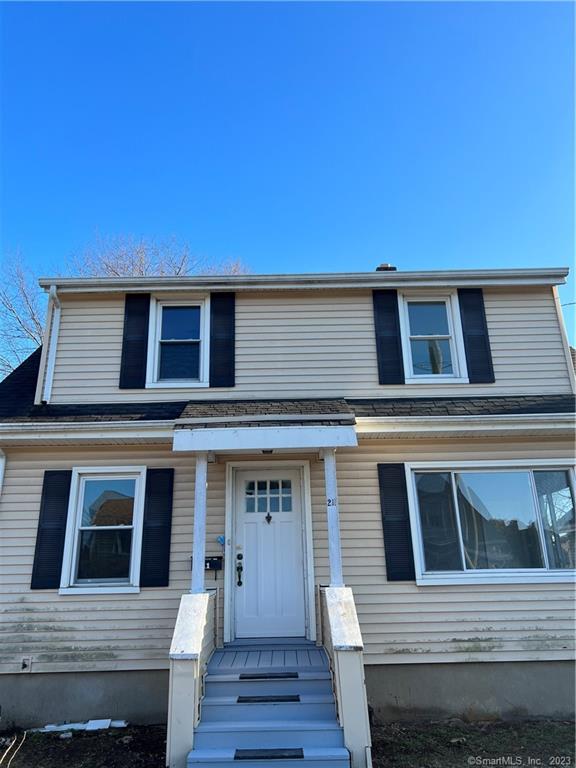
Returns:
(463,406)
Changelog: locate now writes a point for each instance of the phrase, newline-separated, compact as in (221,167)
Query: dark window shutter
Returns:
(396,522)
(135,341)
(47,567)
(388,338)
(222,344)
(475,332)
(157,528)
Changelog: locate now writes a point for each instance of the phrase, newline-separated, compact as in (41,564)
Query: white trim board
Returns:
(436,279)
(231,468)
(263,438)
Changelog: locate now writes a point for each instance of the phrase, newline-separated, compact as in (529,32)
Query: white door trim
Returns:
(232,467)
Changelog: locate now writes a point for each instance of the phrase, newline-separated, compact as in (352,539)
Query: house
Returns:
(254,504)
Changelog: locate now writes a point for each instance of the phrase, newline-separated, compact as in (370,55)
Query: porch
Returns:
(283,636)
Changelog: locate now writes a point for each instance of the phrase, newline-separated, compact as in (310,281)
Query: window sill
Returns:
(176,384)
(99,590)
(436,380)
(499,577)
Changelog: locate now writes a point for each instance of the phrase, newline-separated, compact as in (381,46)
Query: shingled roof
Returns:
(18,389)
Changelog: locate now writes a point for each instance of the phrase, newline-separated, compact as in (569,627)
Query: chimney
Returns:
(385,268)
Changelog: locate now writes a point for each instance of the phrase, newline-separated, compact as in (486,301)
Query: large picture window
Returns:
(480,522)
(104,530)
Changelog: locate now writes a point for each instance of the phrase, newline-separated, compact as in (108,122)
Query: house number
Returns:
(331,502)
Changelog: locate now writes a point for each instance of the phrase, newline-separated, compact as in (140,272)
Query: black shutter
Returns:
(222,331)
(388,339)
(475,332)
(47,567)
(135,341)
(396,522)
(155,563)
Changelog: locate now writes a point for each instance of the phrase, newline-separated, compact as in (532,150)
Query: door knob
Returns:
(239,569)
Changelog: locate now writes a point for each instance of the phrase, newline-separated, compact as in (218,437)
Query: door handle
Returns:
(239,569)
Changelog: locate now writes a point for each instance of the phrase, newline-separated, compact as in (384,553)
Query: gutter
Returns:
(38,432)
(2,468)
(394,426)
(320,281)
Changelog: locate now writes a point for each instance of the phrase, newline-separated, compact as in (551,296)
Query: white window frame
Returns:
(70,558)
(457,350)
(154,335)
(492,575)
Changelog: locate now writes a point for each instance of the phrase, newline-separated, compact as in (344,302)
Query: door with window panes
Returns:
(268,554)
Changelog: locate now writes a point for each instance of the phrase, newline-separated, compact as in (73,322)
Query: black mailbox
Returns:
(213,563)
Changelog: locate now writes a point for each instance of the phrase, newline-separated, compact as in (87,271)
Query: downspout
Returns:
(54,330)
(2,468)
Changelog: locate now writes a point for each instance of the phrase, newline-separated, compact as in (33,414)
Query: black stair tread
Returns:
(271,699)
(269,754)
(268,676)
(271,725)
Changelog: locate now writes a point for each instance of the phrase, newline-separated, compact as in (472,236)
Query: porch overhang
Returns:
(231,439)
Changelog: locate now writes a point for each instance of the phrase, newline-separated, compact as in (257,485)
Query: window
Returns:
(433,347)
(470,524)
(268,496)
(104,530)
(178,343)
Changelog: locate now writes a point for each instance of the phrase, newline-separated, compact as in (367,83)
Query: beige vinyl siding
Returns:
(400,622)
(311,344)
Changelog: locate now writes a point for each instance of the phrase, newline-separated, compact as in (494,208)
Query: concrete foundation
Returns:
(472,691)
(33,700)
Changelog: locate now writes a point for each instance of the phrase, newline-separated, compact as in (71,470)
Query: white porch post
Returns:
(199,545)
(333,516)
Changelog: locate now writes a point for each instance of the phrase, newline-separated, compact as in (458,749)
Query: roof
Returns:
(18,389)
(376,279)
(463,406)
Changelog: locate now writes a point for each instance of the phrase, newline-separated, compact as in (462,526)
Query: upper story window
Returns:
(178,345)
(432,343)
(476,524)
(104,530)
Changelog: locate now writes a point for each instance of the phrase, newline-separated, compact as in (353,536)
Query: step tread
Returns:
(239,677)
(305,698)
(279,725)
(310,753)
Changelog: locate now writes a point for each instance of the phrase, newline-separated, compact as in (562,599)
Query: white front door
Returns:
(268,554)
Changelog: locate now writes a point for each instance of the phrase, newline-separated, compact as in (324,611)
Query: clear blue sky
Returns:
(293,136)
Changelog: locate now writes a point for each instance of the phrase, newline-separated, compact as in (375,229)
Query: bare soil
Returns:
(452,744)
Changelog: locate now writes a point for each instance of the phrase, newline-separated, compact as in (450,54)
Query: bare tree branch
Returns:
(23,304)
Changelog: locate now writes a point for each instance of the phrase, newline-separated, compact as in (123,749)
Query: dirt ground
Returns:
(454,744)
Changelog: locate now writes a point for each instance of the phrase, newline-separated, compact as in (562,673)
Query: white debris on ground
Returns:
(90,725)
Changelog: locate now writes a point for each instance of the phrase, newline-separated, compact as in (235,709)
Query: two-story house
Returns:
(229,501)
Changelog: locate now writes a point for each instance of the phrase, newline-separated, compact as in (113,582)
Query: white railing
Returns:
(192,645)
(342,639)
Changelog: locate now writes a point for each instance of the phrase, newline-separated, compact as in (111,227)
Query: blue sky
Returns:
(292,136)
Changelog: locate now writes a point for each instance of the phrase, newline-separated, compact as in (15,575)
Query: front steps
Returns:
(268,704)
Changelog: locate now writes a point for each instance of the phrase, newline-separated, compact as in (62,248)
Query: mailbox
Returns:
(214,563)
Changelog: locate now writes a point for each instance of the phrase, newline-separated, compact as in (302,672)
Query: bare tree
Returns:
(23,304)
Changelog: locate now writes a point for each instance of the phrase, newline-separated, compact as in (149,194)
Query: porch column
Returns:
(199,546)
(333,517)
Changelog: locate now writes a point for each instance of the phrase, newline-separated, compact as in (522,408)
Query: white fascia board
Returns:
(263,438)
(84,431)
(557,422)
(435,279)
